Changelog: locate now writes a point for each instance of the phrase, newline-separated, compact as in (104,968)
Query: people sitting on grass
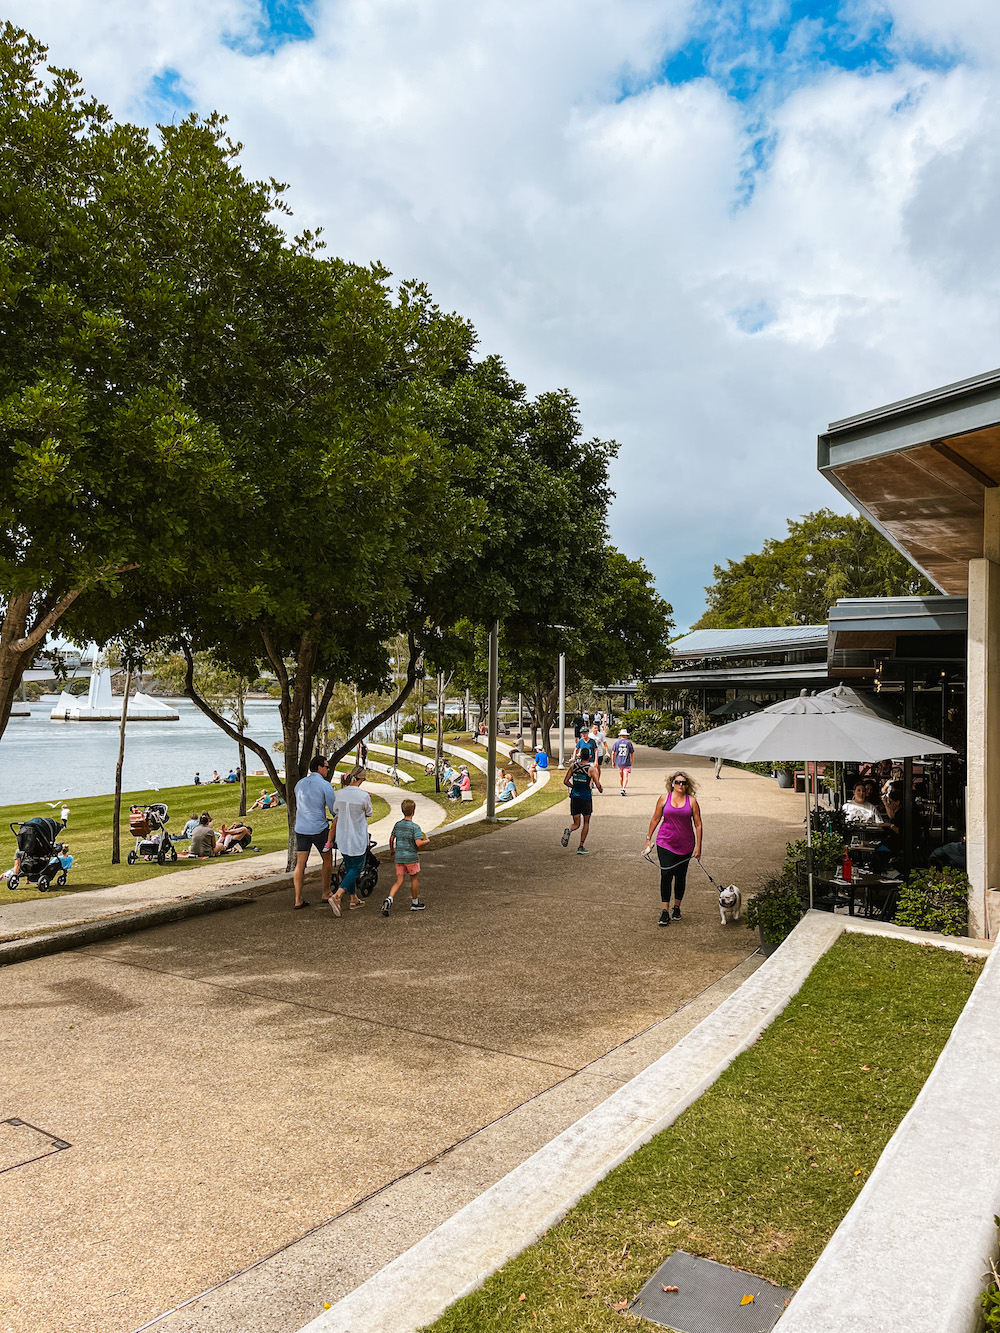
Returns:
(231,776)
(189,828)
(235,838)
(215,775)
(203,838)
(266,800)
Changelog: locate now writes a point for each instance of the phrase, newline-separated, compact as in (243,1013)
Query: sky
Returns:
(721,225)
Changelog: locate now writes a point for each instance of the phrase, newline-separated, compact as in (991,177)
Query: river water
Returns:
(42,760)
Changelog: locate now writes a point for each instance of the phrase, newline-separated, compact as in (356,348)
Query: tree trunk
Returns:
(116,850)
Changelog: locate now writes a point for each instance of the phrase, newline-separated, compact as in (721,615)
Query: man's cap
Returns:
(623,732)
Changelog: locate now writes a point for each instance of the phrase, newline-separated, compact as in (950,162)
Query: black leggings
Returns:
(673,874)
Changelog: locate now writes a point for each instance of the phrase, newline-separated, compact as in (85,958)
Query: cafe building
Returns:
(926,472)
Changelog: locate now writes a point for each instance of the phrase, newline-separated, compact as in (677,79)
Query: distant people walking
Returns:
(586,746)
(354,809)
(314,797)
(718,768)
(676,823)
(405,842)
(581,779)
(622,753)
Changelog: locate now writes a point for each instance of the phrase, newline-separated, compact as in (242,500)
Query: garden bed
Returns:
(759,1172)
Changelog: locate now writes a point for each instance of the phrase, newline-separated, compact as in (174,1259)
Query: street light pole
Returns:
(491,726)
(562,709)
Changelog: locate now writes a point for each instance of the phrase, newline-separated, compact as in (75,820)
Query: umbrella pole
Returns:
(808,832)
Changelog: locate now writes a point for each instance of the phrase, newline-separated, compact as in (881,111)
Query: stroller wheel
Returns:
(13,881)
(61,880)
(161,856)
(131,858)
(173,853)
(366,884)
(43,884)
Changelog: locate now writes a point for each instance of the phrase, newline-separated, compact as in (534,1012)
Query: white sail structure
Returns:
(102,706)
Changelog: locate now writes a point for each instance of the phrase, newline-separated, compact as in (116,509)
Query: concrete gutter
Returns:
(71,937)
(459,1255)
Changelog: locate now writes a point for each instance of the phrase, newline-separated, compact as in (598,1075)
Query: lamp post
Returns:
(491,725)
(562,710)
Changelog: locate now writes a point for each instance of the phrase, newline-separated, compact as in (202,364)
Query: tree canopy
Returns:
(795,580)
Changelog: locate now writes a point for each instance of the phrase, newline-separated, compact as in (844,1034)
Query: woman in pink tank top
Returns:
(676,823)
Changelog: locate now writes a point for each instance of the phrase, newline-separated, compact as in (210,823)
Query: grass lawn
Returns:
(759,1172)
(89,832)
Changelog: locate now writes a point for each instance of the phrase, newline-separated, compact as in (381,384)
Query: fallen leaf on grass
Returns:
(668,1288)
(674,1224)
(858,1172)
(747,1300)
(522,1297)
(622,1305)
(866,1067)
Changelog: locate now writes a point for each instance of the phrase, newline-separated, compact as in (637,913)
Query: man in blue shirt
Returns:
(314,796)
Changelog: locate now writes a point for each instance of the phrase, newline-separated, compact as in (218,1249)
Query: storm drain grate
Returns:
(710,1298)
(21,1143)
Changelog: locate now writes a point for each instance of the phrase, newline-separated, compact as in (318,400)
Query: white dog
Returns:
(730,904)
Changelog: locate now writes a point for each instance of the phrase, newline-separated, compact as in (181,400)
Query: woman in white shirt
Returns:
(860,810)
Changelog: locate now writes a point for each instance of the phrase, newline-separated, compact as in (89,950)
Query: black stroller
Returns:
(148,825)
(367,881)
(38,854)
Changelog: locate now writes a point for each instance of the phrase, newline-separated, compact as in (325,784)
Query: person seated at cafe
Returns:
(860,810)
(873,794)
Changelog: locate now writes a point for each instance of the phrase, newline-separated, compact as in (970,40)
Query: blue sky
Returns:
(720,224)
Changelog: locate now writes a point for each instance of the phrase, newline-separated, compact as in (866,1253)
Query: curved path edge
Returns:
(461,1253)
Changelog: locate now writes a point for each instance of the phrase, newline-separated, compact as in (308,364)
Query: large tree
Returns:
(128,265)
(795,580)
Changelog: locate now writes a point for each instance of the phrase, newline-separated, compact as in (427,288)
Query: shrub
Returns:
(828,849)
(647,726)
(991,1299)
(775,909)
(936,899)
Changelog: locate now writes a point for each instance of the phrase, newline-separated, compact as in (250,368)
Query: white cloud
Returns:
(601,244)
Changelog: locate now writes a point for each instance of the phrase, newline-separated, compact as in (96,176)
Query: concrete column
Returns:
(983,724)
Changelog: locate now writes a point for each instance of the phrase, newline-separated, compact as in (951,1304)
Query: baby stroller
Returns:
(148,825)
(368,879)
(40,859)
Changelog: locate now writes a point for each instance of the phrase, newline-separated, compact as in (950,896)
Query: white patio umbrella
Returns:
(820,727)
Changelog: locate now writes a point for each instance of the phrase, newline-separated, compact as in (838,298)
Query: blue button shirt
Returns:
(313,797)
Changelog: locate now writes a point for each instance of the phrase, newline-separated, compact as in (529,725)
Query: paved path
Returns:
(231,1083)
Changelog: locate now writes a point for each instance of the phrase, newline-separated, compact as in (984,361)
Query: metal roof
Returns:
(900,615)
(736,642)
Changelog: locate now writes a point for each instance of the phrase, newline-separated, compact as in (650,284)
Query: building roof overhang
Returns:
(918,470)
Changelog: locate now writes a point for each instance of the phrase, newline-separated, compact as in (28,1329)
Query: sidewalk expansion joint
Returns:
(335,1013)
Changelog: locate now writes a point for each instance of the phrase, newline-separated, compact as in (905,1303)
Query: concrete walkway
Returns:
(231,1085)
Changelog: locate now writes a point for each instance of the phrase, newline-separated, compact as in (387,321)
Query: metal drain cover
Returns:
(709,1298)
(21,1143)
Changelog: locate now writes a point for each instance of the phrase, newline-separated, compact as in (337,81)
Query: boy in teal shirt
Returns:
(405,840)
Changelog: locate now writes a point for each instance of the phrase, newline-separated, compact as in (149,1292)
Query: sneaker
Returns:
(623,791)
(664,918)
(583,851)
(565,837)
(334,906)
(416,905)
(676,912)
(387,907)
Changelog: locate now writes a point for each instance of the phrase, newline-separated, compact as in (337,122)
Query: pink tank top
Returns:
(676,831)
